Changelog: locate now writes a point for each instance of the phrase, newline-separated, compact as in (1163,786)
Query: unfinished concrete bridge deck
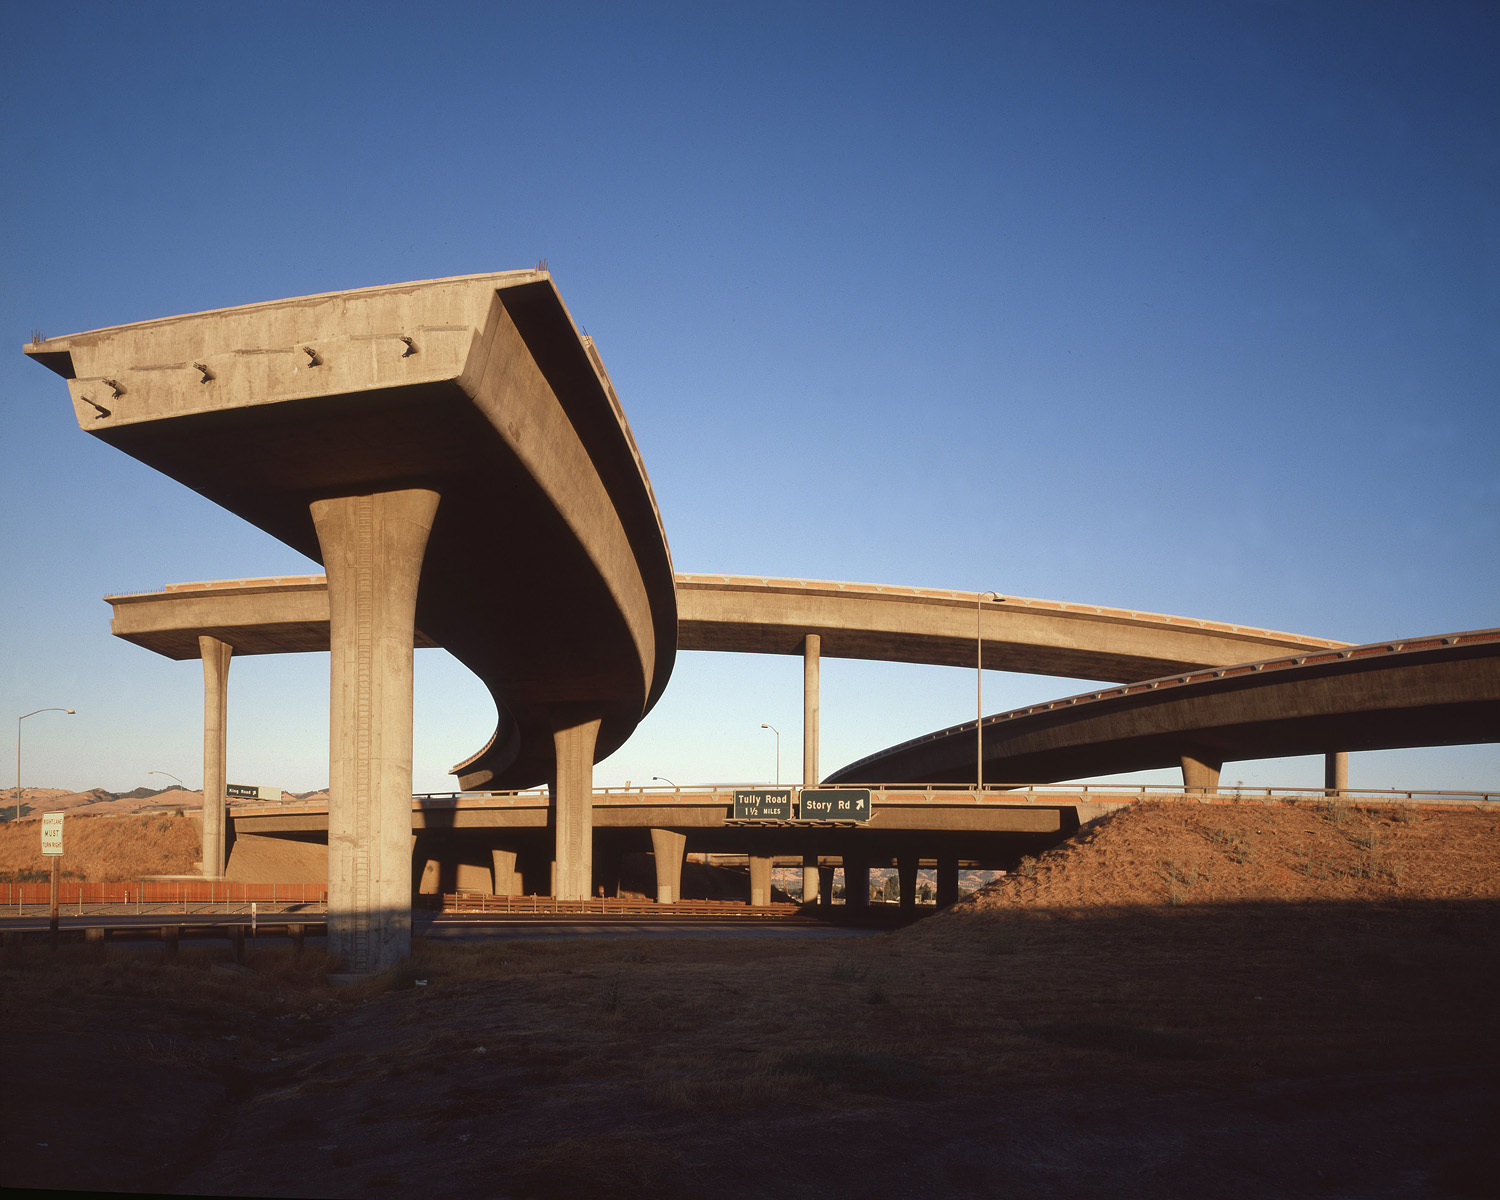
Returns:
(392,433)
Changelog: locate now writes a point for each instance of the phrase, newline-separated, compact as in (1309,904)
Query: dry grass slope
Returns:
(104,849)
(1187,853)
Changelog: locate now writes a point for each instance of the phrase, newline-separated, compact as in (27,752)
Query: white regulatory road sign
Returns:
(52,833)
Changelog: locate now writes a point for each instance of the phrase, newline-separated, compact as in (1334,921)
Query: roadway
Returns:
(440,927)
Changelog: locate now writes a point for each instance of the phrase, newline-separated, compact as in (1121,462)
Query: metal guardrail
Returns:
(171,933)
(998,793)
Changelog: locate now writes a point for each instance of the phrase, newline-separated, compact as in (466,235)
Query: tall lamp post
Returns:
(19,719)
(169,775)
(979,685)
(777,732)
(661,779)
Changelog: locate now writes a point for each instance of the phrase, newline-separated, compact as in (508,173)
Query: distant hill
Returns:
(95,800)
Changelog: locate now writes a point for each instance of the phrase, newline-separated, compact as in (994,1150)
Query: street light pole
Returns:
(19,719)
(777,732)
(169,775)
(661,778)
(979,686)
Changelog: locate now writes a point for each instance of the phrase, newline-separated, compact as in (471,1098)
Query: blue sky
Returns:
(1180,307)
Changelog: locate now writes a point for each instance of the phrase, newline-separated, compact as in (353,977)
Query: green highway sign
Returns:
(248,791)
(763,804)
(836,804)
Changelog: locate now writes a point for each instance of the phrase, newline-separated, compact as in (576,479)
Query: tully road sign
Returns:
(763,804)
(52,823)
(835,804)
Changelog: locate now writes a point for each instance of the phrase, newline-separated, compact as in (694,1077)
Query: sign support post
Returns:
(52,847)
(52,926)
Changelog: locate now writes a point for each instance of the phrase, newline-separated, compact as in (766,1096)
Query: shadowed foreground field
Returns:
(1195,1046)
(1238,1051)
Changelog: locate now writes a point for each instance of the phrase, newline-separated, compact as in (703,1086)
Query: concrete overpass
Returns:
(1442,690)
(497,842)
(752,614)
(455,455)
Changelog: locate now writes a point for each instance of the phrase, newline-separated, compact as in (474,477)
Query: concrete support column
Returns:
(811,892)
(760,880)
(947,881)
(906,874)
(825,887)
(811,648)
(372,549)
(572,788)
(857,881)
(506,880)
(1335,772)
(668,848)
(215,656)
(1200,774)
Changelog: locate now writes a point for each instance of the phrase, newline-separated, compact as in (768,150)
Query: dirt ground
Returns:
(1059,1035)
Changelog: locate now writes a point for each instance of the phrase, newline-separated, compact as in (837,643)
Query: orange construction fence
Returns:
(187,891)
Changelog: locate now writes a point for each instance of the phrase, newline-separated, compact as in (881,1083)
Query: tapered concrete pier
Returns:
(668,848)
(572,789)
(505,880)
(373,547)
(1200,773)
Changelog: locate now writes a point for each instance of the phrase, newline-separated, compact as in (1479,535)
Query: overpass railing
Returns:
(935,793)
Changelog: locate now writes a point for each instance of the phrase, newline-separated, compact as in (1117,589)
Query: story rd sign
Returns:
(836,804)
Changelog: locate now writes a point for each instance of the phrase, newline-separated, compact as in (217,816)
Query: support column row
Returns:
(1200,772)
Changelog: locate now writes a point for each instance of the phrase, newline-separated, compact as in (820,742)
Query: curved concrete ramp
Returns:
(454,453)
(546,570)
(754,615)
(1435,691)
(759,615)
